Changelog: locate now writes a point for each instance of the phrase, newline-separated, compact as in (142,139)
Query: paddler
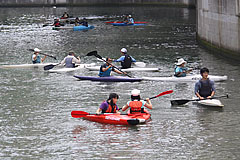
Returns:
(130,19)
(181,70)
(106,68)
(65,15)
(110,105)
(71,61)
(204,88)
(57,23)
(36,57)
(84,22)
(126,60)
(136,104)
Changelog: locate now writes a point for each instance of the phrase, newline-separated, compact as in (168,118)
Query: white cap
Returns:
(130,15)
(124,50)
(180,61)
(135,92)
(37,50)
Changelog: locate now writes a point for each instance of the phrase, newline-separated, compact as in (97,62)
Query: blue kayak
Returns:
(79,28)
(125,24)
(109,79)
(75,28)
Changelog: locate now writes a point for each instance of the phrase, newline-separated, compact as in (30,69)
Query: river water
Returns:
(35,112)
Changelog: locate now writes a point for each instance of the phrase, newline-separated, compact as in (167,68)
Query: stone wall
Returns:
(218,25)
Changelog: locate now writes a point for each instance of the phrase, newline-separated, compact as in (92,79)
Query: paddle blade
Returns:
(50,66)
(93,53)
(79,114)
(163,93)
(179,102)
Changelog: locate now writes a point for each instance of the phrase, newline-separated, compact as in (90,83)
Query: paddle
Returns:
(183,101)
(94,53)
(161,94)
(50,66)
(44,54)
(79,114)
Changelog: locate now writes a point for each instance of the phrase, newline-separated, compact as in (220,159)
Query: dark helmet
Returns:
(204,70)
(113,95)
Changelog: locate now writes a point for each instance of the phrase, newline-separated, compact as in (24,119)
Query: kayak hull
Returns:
(97,68)
(62,70)
(108,79)
(191,78)
(74,28)
(210,102)
(125,24)
(36,65)
(120,119)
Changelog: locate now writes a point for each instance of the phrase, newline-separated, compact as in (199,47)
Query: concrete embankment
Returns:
(40,3)
(218,26)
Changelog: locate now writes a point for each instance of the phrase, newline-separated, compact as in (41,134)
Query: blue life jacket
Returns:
(107,73)
(68,63)
(38,60)
(176,74)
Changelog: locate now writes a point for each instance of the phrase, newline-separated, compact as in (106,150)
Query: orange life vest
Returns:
(111,109)
(135,106)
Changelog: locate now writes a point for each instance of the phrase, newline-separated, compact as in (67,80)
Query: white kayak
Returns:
(188,78)
(36,65)
(62,70)
(209,102)
(97,68)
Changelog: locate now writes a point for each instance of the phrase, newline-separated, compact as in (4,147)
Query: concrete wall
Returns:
(9,3)
(219,25)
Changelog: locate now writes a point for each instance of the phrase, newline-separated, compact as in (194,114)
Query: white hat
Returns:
(135,92)
(180,61)
(124,50)
(130,15)
(37,50)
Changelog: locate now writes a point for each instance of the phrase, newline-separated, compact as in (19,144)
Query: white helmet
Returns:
(135,92)
(124,50)
(37,50)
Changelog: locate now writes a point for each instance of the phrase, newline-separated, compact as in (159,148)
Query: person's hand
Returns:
(209,97)
(147,99)
(201,97)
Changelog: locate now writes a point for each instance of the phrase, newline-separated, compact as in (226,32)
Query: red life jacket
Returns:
(111,109)
(135,106)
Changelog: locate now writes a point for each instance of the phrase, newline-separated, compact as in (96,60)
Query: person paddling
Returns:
(204,88)
(70,61)
(130,19)
(136,104)
(181,70)
(36,57)
(125,59)
(106,68)
(84,22)
(110,105)
(65,15)
(57,23)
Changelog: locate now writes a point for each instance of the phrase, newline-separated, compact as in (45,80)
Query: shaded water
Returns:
(35,105)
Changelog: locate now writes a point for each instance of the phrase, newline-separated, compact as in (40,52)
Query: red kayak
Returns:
(122,22)
(117,119)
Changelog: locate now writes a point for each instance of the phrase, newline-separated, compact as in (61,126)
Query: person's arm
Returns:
(104,68)
(99,111)
(76,60)
(133,60)
(148,104)
(124,108)
(213,90)
(119,72)
(63,62)
(34,57)
(119,59)
(43,59)
(196,89)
